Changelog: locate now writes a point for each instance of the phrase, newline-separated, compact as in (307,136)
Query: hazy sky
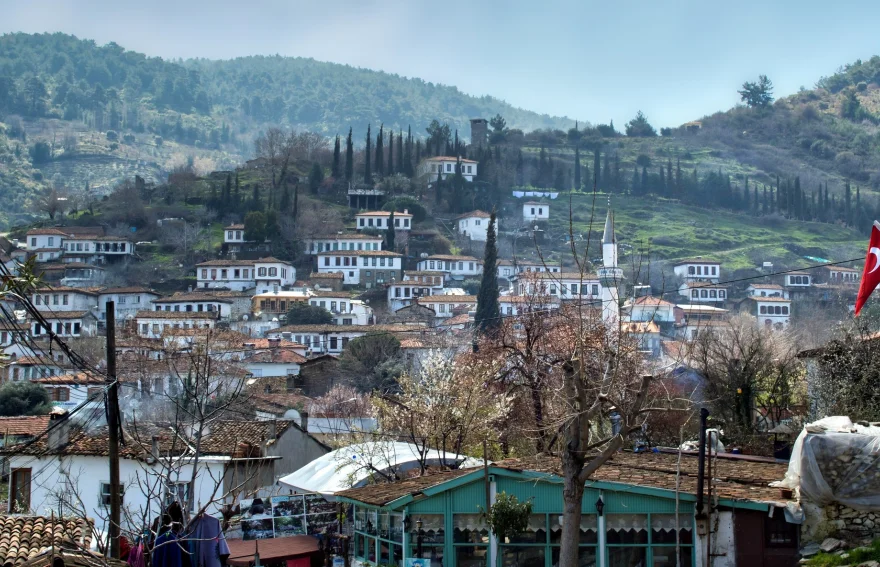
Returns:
(675,60)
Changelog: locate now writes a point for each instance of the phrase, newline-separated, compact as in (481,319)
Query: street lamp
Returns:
(600,505)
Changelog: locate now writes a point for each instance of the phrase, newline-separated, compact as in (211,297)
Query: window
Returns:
(703,293)
(778,532)
(33,242)
(20,490)
(695,294)
(449,167)
(784,310)
(714,270)
(721,293)
(540,211)
(204,273)
(262,271)
(65,297)
(273,272)
(406,223)
(333,343)
(361,222)
(105,493)
(763,310)
(51,241)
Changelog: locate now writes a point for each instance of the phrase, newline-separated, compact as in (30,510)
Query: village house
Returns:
(127,301)
(566,286)
(474,225)
(691,320)
(838,275)
(513,305)
(444,166)
(86,245)
(766,290)
(67,391)
(698,270)
(272,361)
(509,269)
(448,305)
(650,308)
(332,339)
(454,267)
(363,268)
(535,211)
(346,241)
(378,220)
(635,512)
(647,334)
(66,324)
(344,309)
(238,275)
(771,312)
(276,303)
(32,367)
(152,324)
(798,280)
(414,284)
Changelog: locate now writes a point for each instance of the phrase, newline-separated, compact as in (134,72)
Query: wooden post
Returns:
(113,427)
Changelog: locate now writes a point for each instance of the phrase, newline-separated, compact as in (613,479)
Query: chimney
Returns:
(304,420)
(273,430)
(189,289)
(59,431)
(274,342)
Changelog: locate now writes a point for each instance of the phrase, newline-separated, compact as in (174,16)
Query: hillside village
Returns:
(442,347)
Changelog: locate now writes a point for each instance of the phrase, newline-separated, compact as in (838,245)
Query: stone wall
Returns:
(839,521)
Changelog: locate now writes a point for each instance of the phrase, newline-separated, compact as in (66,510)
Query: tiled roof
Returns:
(474,214)
(771,299)
(65,379)
(535,203)
(641,327)
(558,276)
(181,297)
(270,260)
(449,158)
(423,273)
(462,319)
(357,236)
(64,314)
(651,300)
(270,343)
(146,314)
(131,289)
(274,356)
(227,434)
(840,269)
(23,537)
(45,232)
(697,261)
(382,214)
(234,227)
(736,479)
(765,286)
(65,289)
(448,299)
(225,263)
(452,257)
(22,426)
(327,275)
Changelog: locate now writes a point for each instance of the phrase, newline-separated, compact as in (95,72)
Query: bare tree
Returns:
(276,148)
(52,202)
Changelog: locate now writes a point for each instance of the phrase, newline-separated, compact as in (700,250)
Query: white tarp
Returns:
(836,460)
(355,465)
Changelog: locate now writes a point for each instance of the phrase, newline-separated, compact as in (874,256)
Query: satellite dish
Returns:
(423,255)
(244,317)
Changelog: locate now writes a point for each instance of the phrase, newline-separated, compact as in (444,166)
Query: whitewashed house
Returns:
(67,391)
(650,308)
(770,312)
(691,320)
(128,301)
(272,362)
(332,339)
(766,290)
(698,270)
(798,280)
(272,273)
(152,324)
(193,302)
(66,324)
(566,286)
(513,305)
(378,220)
(234,234)
(414,284)
(445,306)
(363,268)
(344,309)
(535,211)
(430,168)
(838,275)
(336,242)
(509,269)
(230,274)
(474,225)
(65,298)
(455,267)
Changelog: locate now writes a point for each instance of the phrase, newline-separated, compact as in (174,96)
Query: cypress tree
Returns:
(764,204)
(635,190)
(577,168)
(418,152)
(678,175)
(400,166)
(256,202)
(285,197)
(456,148)
(520,169)
(615,183)
(859,212)
(390,169)
(380,151)
(237,199)
(488,316)
(606,173)
(390,234)
(227,193)
(670,186)
(596,170)
(438,194)
(847,210)
(645,186)
(407,153)
(368,175)
(295,199)
(349,158)
(757,206)
(662,188)
(336,159)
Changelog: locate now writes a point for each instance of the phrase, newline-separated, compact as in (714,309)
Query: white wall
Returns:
(536,211)
(192,306)
(212,277)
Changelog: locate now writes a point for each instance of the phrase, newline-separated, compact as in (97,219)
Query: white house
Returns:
(65,298)
(152,324)
(429,168)
(703,292)
(647,334)
(77,244)
(66,391)
(332,339)
(698,269)
(509,269)
(193,302)
(66,324)
(239,275)
(567,286)
(691,320)
(513,305)
(363,268)
(448,305)
(650,308)
(233,234)
(474,225)
(771,312)
(798,280)
(414,284)
(128,301)
(32,367)
(272,273)
(344,309)
(455,267)
(841,275)
(379,220)
(535,211)
(766,290)
(342,242)
(272,362)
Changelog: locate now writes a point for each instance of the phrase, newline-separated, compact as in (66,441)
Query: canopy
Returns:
(354,466)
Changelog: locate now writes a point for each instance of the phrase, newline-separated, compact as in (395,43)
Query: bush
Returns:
(301,313)
(471,286)
(129,139)
(410,204)
(862,86)
(112,135)
(24,398)
(820,149)
(643,160)
(158,140)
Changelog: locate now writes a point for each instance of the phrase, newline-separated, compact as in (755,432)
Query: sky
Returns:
(676,60)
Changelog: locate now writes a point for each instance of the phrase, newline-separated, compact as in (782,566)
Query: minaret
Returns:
(610,276)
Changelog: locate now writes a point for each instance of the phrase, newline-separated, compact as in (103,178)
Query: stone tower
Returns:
(479,132)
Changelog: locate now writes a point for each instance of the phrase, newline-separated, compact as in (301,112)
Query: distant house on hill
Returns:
(474,225)
(535,211)
(444,166)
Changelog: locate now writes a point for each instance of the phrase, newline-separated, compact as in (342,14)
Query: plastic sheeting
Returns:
(353,466)
(835,460)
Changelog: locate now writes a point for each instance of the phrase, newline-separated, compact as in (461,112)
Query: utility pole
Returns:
(113,437)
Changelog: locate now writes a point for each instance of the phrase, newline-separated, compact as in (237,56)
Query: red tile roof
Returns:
(241,553)
(24,426)
(23,537)
(66,379)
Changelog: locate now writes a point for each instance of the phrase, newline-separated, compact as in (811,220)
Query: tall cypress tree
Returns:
(615,182)
(408,154)
(390,169)
(368,175)
(488,316)
(285,197)
(418,152)
(400,165)
(349,158)
(577,168)
(390,234)
(757,207)
(635,190)
(336,159)
(380,151)
(596,170)
(847,211)
(606,173)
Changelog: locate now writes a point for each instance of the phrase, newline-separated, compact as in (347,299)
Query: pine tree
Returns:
(380,151)
(390,234)
(597,165)
(577,168)
(368,174)
(488,315)
(349,158)
(390,169)
(335,171)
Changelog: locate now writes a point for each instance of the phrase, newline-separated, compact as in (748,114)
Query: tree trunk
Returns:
(572,498)
(538,410)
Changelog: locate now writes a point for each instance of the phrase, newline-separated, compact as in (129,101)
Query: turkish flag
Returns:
(871,272)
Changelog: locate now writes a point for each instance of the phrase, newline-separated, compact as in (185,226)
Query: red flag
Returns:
(871,272)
